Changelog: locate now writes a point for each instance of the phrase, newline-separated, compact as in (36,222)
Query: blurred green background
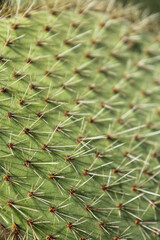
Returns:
(152,5)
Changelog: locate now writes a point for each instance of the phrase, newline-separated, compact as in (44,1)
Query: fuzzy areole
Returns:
(79,128)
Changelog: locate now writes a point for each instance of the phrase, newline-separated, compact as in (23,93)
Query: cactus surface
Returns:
(80,122)
(152,6)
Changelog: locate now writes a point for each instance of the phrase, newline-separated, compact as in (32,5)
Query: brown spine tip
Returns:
(145,93)
(116,238)
(71,191)
(15,228)
(39,114)
(30,222)
(21,102)
(47,28)
(87,207)
(146,172)
(10,145)
(152,202)
(32,87)
(93,41)
(120,206)
(88,55)
(67,114)
(8,43)
(39,44)
(91,88)
(76,71)
(137,221)
(156,82)
(52,210)
(102,105)
(155,155)
(101,24)
(158,111)
(101,224)
(58,128)
(47,100)
(126,154)
(127,77)
(3,90)
(2,226)
(112,54)
(116,171)
(97,155)
(63,86)
(67,43)
(120,121)
(137,138)
(1,59)
(57,57)
(26,15)
(156,232)
(74,24)
(115,90)
(16,75)
(80,11)
(134,188)
(131,106)
(44,147)
(26,130)
(77,101)
(29,60)
(31,194)
(100,70)
(47,73)
(27,163)
(14,26)
(148,124)
(10,203)
(91,120)
(52,176)
(8,16)
(68,158)
(104,187)
(70,225)
(50,237)
(54,12)
(7,178)
(85,172)
(79,139)
(108,137)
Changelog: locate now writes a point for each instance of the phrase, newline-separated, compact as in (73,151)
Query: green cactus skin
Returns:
(79,129)
(152,6)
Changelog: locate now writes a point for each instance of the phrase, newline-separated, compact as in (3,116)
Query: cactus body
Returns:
(79,129)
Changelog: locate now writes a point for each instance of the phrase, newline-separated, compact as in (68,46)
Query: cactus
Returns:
(79,129)
(152,6)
